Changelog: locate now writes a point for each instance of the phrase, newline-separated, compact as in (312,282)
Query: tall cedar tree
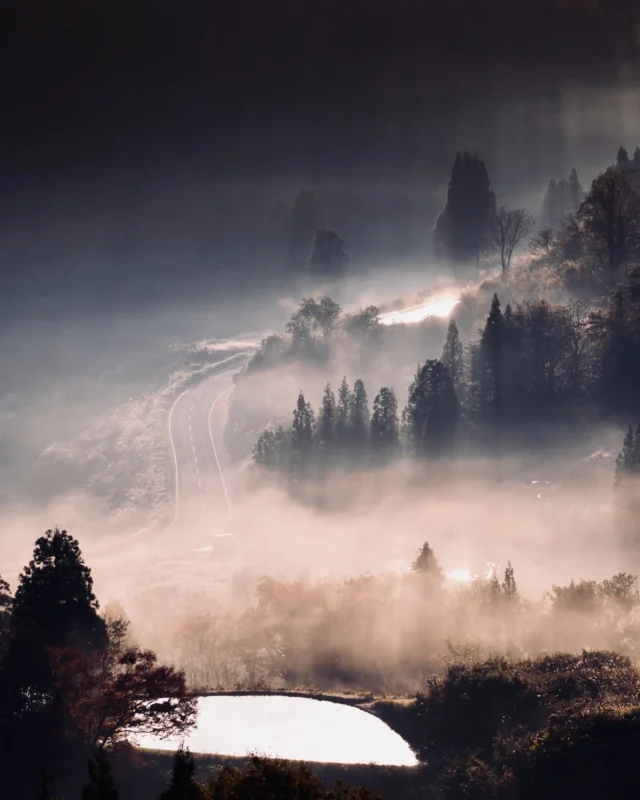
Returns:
(302,431)
(431,414)
(328,259)
(54,604)
(385,434)
(610,215)
(101,785)
(183,784)
(453,357)
(462,227)
(358,423)
(491,347)
(326,427)
(342,413)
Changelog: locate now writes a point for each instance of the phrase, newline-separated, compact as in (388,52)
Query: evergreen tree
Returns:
(462,227)
(431,414)
(491,346)
(509,587)
(326,428)
(302,431)
(342,414)
(452,357)
(513,366)
(622,160)
(627,463)
(610,216)
(5,605)
(359,423)
(183,784)
(44,785)
(54,604)
(328,261)
(272,449)
(427,564)
(101,785)
(576,192)
(385,435)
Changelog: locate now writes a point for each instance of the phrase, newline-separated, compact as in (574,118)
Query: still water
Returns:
(295,728)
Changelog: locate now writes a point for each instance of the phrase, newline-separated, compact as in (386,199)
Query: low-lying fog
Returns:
(550,516)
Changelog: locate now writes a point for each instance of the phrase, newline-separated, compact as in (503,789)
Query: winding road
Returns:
(196,420)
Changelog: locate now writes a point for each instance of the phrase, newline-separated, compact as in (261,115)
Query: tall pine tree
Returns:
(452,357)
(491,347)
(302,431)
(461,229)
(385,434)
(326,427)
(431,414)
(359,420)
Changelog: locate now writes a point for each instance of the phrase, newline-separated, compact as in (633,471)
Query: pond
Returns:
(294,728)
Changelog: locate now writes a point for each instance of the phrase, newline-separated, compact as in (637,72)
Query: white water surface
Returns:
(295,728)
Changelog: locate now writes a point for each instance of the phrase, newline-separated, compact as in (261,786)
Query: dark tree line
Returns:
(533,362)
(71,687)
(344,432)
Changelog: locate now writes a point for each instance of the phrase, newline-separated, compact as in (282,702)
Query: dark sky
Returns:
(118,116)
(86,82)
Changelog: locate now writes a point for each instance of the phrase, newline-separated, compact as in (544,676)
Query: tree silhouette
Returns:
(509,587)
(183,784)
(508,229)
(120,691)
(453,357)
(462,227)
(385,435)
(328,261)
(358,420)
(101,785)
(576,192)
(427,564)
(491,349)
(326,427)
(54,604)
(610,215)
(302,431)
(342,412)
(431,414)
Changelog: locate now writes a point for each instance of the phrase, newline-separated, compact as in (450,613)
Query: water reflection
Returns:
(295,728)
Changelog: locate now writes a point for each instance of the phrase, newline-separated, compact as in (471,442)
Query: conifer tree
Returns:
(183,784)
(627,463)
(576,192)
(426,563)
(101,785)
(44,785)
(326,428)
(54,604)
(509,588)
(452,356)
(385,435)
(272,449)
(491,346)
(302,430)
(359,422)
(462,227)
(431,414)
(342,416)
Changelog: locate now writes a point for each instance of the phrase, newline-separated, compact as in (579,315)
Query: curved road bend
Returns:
(201,500)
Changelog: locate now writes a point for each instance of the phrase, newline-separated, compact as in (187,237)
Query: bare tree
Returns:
(509,228)
(540,243)
(610,215)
